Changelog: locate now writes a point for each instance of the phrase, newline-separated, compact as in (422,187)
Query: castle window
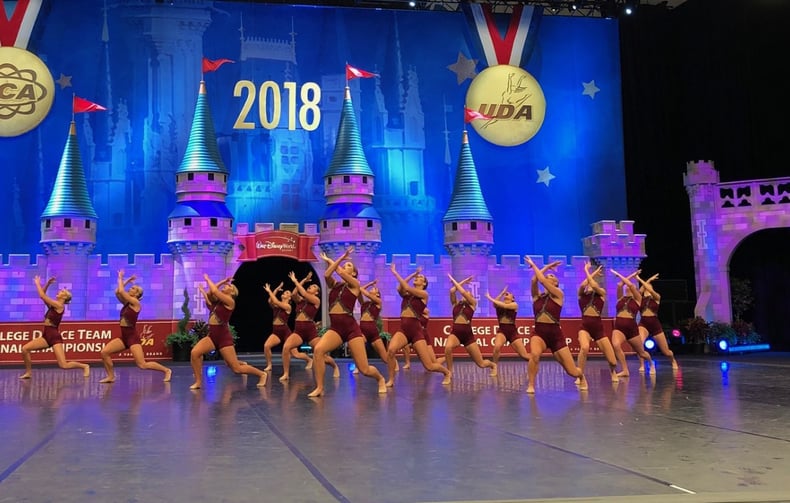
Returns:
(346,223)
(87,224)
(324,222)
(284,149)
(370,224)
(213,222)
(455,226)
(211,177)
(294,150)
(47,223)
(187,221)
(365,180)
(224,178)
(488,226)
(67,223)
(190,176)
(285,159)
(329,181)
(473,226)
(346,179)
(414,188)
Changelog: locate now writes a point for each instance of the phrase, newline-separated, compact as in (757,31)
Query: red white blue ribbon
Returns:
(17,19)
(514,46)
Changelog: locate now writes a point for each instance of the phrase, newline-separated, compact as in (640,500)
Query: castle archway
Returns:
(252,317)
(763,258)
(722,216)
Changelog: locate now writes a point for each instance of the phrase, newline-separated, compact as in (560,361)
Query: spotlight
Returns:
(352,367)
(573,6)
(676,332)
(412,4)
(629,7)
(650,344)
(724,366)
(211,370)
(723,345)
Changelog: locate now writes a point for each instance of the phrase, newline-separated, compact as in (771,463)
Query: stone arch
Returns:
(252,317)
(722,216)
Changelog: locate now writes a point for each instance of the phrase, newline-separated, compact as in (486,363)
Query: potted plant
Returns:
(696,332)
(182,340)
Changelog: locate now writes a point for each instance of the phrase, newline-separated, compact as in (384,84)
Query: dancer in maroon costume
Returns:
(412,308)
(625,327)
(506,310)
(342,325)
(548,334)
(51,337)
(463,311)
(281,310)
(308,301)
(649,325)
(220,301)
(369,319)
(129,338)
(592,297)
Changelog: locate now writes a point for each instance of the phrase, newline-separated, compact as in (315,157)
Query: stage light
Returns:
(412,4)
(629,7)
(573,6)
(211,370)
(723,345)
(676,332)
(724,366)
(650,344)
(352,367)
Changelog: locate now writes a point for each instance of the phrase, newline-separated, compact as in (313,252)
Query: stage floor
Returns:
(701,434)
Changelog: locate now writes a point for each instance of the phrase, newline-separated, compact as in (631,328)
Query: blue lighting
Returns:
(211,370)
(650,344)
(724,366)
(352,367)
(723,345)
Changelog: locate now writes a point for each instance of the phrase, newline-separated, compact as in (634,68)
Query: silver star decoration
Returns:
(590,89)
(64,81)
(544,176)
(463,68)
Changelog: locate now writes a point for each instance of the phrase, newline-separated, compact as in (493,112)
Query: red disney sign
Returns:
(276,244)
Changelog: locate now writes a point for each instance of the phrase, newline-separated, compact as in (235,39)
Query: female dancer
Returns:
(506,309)
(591,300)
(281,310)
(370,309)
(625,328)
(129,338)
(414,300)
(51,337)
(463,311)
(548,334)
(308,301)
(342,325)
(220,301)
(648,320)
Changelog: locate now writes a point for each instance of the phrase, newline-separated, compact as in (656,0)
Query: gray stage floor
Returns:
(698,435)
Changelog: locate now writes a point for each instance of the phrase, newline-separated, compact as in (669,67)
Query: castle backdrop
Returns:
(142,58)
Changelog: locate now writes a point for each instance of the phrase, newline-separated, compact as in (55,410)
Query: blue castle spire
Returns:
(202,154)
(350,218)
(69,196)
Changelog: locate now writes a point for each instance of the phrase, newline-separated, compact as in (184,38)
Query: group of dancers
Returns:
(345,290)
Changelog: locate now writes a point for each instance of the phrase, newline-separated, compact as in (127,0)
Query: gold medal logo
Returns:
(513,100)
(26,91)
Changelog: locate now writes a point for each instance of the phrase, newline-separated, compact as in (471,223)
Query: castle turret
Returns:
(350,218)
(200,228)
(68,226)
(468,225)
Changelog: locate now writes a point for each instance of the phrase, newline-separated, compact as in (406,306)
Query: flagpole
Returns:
(73,99)
(346,72)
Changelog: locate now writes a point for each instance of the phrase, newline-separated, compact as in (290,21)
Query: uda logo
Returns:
(26,91)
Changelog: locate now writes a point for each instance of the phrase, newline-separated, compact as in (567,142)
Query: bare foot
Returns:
(195,386)
(447,379)
(168,375)
(262,380)
(382,387)
(583,384)
(316,392)
(675,365)
(407,366)
(309,364)
(440,360)
(336,373)
(284,378)
(268,368)
(653,370)
(624,373)
(397,367)
(390,383)
(107,380)
(86,371)
(577,381)
(615,377)
(26,375)
(494,371)
(531,390)
(355,371)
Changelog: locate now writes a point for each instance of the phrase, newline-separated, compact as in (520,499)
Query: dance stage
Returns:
(718,430)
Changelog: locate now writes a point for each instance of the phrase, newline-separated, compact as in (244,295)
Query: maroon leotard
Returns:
(51,332)
(627,325)
(551,333)
(463,330)
(220,334)
(592,323)
(129,335)
(306,328)
(650,321)
(508,328)
(281,330)
(411,326)
(344,323)
(370,328)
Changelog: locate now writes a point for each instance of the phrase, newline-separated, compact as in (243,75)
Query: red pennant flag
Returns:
(354,73)
(80,105)
(470,115)
(211,65)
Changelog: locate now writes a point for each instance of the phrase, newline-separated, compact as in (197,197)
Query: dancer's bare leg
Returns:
(36,344)
(60,355)
(329,341)
(536,345)
(357,348)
